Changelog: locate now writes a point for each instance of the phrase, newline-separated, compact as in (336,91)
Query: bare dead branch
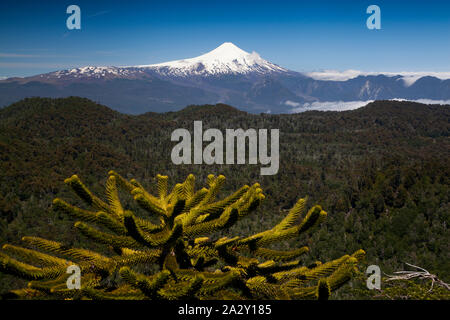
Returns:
(422,274)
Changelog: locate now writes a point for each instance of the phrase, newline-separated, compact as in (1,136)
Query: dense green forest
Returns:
(381,172)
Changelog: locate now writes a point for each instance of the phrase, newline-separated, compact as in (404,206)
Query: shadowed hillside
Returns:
(381,172)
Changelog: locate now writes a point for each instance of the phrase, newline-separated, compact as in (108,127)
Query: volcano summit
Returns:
(225,59)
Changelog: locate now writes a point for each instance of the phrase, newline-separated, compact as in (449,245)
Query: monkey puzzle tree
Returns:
(181,261)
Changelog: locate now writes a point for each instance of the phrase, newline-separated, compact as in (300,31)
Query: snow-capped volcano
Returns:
(228,75)
(225,59)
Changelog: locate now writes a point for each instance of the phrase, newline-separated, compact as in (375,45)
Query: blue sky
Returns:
(299,35)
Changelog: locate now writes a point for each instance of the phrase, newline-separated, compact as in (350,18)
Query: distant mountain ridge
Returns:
(226,74)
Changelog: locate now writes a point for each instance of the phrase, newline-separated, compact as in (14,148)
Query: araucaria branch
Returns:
(186,263)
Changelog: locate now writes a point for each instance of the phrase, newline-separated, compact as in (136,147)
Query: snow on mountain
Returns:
(255,85)
(93,72)
(225,59)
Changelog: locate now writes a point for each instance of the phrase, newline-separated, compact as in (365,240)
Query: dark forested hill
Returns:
(381,171)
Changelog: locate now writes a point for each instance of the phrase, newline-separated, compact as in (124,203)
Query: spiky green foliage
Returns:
(189,264)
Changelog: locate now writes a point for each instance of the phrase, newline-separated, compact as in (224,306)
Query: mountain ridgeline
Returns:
(226,74)
(381,172)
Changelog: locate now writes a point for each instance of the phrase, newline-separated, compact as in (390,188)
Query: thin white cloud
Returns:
(330,106)
(426,101)
(408,77)
(65,34)
(34,65)
(351,105)
(100,13)
(17,55)
(292,103)
(334,75)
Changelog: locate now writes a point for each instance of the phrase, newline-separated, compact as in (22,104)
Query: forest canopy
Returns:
(381,173)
